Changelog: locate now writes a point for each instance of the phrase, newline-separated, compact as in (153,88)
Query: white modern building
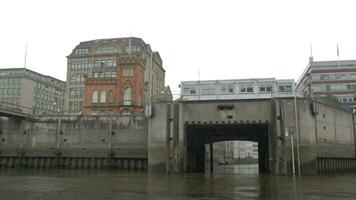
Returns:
(335,78)
(262,88)
(245,150)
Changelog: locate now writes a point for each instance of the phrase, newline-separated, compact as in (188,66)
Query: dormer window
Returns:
(81,51)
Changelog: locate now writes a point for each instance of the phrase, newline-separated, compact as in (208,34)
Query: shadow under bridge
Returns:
(200,134)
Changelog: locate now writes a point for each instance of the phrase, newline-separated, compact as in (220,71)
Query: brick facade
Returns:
(89,57)
(123,94)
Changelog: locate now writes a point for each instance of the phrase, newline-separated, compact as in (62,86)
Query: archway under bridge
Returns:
(198,135)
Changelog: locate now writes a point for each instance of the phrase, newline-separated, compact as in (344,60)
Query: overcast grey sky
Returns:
(224,39)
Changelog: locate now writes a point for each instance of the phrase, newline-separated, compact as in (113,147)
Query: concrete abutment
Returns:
(299,131)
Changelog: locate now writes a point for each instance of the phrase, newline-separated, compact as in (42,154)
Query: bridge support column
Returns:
(211,159)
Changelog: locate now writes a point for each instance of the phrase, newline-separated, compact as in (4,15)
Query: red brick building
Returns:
(116,90)
(101,55)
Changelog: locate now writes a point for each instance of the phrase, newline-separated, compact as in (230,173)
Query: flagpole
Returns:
(338,55)
(130,45)
(25,62)
(311,49)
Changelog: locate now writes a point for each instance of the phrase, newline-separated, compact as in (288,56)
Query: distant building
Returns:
(245,150)
(223,151)
(23,87)
(119,91)
(330,78)
(237,89)
(103,57)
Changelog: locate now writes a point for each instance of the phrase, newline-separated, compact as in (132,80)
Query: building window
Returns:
(72,79)
(97,63)
(340,76)
(102,63)
(81,92)
(207,89)
(284,88)
(77,78)
(75,105)
(76,92)
(71,93)
(128,71)
(324,77)
(71,105)
(114,62)
(110,64)
(82,78)
(127,97)
(265,88)
(246,89)
(80,105)
(94,97)
(106,50)
(227,89)
(103,97)
(111,97)
(81,51)
(189,91)
(113,74)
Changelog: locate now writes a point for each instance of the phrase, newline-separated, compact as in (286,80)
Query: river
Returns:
(226,183)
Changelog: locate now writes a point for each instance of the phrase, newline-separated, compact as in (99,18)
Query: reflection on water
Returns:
(236,169)
(88,184)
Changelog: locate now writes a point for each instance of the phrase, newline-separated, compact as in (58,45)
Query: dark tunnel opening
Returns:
(198,136)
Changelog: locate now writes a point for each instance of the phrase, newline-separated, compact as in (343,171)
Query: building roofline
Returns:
(326,63)
(247,79)
(29,70)
(120,38)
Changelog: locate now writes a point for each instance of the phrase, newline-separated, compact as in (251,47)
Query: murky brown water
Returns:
(88,184)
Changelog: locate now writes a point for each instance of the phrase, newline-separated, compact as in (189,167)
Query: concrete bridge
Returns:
(314,136)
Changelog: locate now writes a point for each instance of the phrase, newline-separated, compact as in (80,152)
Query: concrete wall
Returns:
(118,137)
(246,111)
(328,133)
(158,127)
(335,133)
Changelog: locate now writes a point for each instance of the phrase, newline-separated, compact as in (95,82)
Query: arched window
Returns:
(94,97)
(111,97)
(127,97)
(128,71)
(103,97)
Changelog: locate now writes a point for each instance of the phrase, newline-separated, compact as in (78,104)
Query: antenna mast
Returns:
(25,62)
